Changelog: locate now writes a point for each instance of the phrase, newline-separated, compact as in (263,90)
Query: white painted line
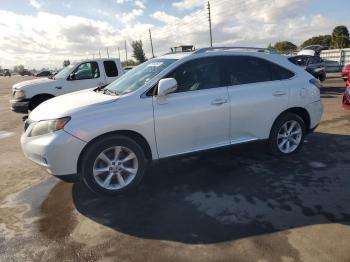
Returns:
(4,134)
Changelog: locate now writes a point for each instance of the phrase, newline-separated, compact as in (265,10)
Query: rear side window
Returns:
(238,70)
(110,68)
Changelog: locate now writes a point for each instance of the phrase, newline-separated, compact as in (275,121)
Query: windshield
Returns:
(64,72)
(138,76)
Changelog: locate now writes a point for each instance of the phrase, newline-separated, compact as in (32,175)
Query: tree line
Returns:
(338,39)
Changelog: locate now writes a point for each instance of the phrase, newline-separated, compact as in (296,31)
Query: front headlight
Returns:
(49,126)
(19,94)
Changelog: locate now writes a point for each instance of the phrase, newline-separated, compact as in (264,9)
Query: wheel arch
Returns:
(137,137)
(301,112)
(32,99)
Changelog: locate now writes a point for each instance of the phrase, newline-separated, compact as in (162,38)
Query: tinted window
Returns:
(245,69)
(110,68)
(280,73)
(198,74)
(87,70)
(314,60)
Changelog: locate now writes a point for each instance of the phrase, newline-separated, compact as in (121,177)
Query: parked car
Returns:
(312,50)
(346,96)
(7,73)
(312,64)
(345,72)
(44,73)
(28,95)
(172,105)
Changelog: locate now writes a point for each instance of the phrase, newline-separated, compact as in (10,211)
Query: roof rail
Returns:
(228,48)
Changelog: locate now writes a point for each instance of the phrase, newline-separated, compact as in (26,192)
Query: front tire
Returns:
(287,135)
(113,165)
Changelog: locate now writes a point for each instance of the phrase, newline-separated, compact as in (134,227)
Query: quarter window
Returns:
(86,70)
(110,68)
(197,74)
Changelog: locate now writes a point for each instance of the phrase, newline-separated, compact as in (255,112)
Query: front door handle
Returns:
(219,101)
(101,84)
(279,93)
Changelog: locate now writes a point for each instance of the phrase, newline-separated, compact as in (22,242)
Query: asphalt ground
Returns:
(240,204)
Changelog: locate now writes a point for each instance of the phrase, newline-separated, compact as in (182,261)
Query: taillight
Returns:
(315,82)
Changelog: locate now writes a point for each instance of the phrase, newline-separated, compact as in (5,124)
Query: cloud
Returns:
(188,4)
(137,3)
(164,17)
(35,4)
(130,16)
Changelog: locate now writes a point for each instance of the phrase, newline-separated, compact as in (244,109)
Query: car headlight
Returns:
(49,126)
(19,94)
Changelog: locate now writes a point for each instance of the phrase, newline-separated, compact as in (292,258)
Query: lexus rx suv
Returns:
(172,105)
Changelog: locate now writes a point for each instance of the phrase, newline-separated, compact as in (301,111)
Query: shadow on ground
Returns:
(231,194)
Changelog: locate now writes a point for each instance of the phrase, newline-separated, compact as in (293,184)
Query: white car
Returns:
(27,95)
(173,105)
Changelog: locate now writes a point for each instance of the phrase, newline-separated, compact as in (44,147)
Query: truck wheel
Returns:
(113,165)
(37,100)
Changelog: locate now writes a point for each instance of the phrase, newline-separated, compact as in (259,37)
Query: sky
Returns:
(41,34)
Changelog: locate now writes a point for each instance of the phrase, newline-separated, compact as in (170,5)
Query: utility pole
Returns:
(150,38)
(107,53)
(126,54)
(119,52)
(99,52)
(209,18)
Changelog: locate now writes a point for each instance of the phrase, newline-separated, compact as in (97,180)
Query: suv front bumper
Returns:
(19,106)
(58,152)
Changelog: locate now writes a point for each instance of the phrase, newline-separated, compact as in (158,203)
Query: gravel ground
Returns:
(239,204)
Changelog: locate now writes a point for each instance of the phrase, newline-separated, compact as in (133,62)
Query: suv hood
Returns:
(33,82)
(69,104)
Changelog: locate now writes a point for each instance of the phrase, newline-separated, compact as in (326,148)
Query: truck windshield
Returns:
(137,77)
(64,72)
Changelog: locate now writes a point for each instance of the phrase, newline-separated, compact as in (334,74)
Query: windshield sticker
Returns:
(155,64)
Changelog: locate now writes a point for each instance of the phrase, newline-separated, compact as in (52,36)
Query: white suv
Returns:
(172,105)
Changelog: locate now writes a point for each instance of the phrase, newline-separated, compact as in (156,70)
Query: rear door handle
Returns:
(219,101)
(279,93)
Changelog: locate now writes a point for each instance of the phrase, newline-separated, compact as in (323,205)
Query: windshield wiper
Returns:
(110,92)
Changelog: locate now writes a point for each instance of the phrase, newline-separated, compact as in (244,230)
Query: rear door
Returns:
(196,116)
(111,71)
(257,97)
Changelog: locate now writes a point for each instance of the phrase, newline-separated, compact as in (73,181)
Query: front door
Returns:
(86,75)
(196,116)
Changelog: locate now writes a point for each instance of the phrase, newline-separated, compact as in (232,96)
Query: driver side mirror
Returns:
(72,76)
(166,86)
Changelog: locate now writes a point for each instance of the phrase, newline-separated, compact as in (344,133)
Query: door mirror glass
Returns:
(166,86)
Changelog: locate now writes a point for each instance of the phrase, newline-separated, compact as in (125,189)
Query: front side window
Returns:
(88,70)
(198,74)
(110,68)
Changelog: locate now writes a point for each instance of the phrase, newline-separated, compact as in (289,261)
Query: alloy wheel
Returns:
(289,136)
(115,167)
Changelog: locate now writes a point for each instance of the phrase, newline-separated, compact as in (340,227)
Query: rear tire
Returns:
(287,135)
(113,165)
